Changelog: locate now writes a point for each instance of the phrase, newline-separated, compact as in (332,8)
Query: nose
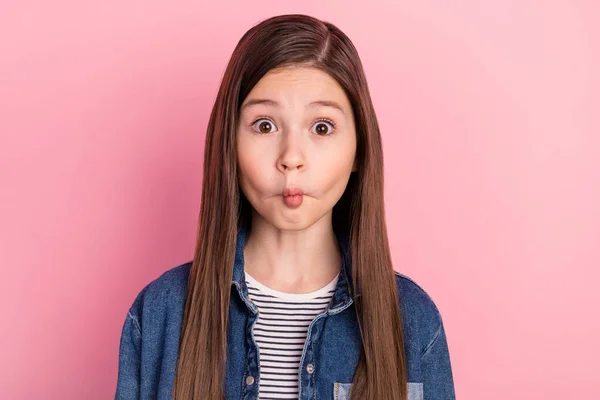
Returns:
(292,154)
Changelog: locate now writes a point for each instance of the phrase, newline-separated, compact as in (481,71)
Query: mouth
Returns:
(292,192)
(293,197)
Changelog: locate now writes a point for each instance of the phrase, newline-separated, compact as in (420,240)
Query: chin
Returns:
(295,221)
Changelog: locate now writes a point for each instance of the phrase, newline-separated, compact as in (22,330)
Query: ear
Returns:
(355,165)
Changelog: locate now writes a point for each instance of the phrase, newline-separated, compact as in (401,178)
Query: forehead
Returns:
(299,85)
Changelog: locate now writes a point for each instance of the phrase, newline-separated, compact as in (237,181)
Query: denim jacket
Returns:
(150,337)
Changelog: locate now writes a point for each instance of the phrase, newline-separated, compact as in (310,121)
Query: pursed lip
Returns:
(292,192)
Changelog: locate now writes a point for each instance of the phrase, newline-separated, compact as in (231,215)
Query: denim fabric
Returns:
(341,391)
(150,340)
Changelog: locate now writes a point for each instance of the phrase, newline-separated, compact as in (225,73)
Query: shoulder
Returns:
(165,292)
(420,315)
(416,298)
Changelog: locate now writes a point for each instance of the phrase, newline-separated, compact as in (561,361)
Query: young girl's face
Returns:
(296,130)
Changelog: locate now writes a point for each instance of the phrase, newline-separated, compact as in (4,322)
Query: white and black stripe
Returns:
(280,333)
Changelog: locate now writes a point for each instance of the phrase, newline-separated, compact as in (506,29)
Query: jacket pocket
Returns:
(415,391)
(341,391)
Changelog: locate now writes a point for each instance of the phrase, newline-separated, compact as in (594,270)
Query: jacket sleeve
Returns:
(128,381)
(438,383)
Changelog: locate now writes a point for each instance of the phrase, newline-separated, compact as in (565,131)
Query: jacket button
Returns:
(310,368)
(249,380)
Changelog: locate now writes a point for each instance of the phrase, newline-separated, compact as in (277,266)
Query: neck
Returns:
(292,261)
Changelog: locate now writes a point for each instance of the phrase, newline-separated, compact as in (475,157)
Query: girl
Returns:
(291,293)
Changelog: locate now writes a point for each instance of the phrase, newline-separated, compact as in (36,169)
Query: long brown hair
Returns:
(276,42)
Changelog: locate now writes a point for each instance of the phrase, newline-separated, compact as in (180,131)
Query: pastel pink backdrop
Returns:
(489,115)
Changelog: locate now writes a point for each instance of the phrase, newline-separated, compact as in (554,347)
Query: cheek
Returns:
(252,171)
(333,175)
(250,152)
(338,159)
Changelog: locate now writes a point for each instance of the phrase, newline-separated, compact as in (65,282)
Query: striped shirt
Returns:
(280,333)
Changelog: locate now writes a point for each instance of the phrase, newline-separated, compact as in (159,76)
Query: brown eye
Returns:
(263,126)
(323,128)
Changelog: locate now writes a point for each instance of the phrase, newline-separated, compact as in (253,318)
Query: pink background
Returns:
(489,115)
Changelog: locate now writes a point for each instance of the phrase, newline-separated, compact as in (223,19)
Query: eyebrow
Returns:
(312,104)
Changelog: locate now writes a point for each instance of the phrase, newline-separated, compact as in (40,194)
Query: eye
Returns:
(324,127)
(263,125)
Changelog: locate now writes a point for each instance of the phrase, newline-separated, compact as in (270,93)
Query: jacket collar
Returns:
(343,295)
